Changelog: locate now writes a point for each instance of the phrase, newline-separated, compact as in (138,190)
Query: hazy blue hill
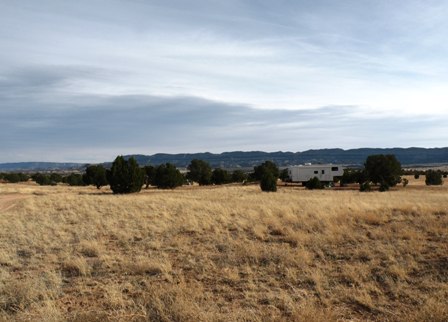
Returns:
(408,156)
(240,159)
(39,166)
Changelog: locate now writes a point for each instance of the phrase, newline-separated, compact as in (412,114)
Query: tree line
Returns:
(385,171)
(126,176)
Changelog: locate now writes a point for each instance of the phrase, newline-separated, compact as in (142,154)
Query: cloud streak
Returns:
(97,127)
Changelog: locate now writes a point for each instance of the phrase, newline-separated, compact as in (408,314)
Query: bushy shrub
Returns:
(268,182)
(352,176)
(73,179)
(42,179)
(405,182)
(314,183)
(95,175)
(365,187)
(433,178)
(267,173)
(14,177)
(167,176)
(284,175)
(416,176)
(266,167)
(55,178)
(239,176)
(384,186)
(199,171)
(220,176)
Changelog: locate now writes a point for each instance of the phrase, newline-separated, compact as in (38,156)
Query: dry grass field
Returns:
(227,253)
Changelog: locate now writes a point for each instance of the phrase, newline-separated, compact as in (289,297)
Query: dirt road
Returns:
(8,201)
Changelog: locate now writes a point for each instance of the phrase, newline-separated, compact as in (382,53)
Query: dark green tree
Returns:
(433,178)
(268,182)
(314,183)
(74,179)
(24,177)
(55,177)
(42,179)
(384,187)
(15,177)
(95,175)
(125,176)
(266,167)
(416,176)
(199,171)
(384,170)
(150,173)
(239,176)
(167,176)
(284,175)
(365,186)
(220,176)
(12,177)
(352,176)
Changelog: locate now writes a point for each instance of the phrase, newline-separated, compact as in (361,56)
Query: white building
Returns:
(324,172)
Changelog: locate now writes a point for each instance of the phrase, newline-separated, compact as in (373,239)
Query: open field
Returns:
(227,253)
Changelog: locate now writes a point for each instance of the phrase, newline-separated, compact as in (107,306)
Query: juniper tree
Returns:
(95,175)
(125,176)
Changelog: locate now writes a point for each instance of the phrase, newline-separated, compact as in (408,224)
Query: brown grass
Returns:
(224,254)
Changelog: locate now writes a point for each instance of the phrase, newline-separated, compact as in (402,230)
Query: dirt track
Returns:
(8,201)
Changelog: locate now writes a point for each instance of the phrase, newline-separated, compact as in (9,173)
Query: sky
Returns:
(86,80)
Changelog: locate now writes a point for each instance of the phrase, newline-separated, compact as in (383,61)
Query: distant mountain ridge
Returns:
(240,159)
(237,159)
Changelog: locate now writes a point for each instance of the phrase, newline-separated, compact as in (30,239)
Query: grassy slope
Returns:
(228,253)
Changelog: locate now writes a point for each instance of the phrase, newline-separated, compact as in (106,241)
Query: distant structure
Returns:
(324,172)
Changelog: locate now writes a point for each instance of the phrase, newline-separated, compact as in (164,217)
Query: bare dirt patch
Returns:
(9,201)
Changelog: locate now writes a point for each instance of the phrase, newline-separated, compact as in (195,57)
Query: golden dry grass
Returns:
(223,254)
